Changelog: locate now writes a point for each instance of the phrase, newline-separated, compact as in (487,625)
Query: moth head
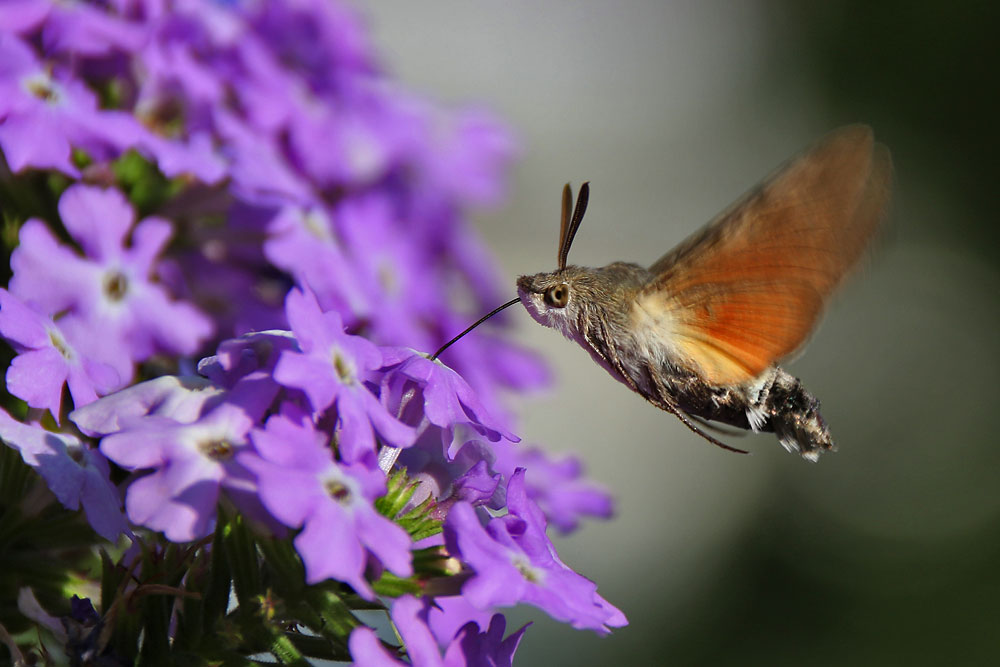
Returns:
(550,298)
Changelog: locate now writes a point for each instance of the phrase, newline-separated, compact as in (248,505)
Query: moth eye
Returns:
(557,296)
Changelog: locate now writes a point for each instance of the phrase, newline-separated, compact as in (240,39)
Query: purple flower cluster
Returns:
(243,179)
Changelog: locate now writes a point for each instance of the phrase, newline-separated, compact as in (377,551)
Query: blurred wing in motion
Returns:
(747,290)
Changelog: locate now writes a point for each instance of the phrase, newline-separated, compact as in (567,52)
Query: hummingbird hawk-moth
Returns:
(700,332)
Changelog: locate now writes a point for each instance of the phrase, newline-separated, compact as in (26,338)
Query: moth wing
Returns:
(747,290)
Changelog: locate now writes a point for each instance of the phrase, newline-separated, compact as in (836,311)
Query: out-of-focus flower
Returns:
(557,485)
(44,114)
(76,28)
(514,561)
(303,242)
(112,287)
(470,647)
(52,356)
(301,485)
(77,475)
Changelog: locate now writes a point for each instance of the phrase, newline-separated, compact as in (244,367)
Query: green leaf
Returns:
(241,553)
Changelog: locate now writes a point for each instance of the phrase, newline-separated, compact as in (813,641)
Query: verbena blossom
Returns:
(52,356)
(513,561)
(470,646)
(190,462)
(113,286)
(45,113)
(301,484)
(76,474)
(334,367)
(239,190)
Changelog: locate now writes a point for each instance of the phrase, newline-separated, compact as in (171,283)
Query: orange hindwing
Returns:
(747,290)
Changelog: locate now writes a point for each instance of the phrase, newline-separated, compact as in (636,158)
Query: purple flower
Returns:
(113,287)
(52,355)
(465,476)
(43,115)
(467,152)
(237,358)
(238,292)
(557,486)
(447,399)
(450,613)
(179,399)
(364,138)
(402,293)
(333,368)
(470,646)
(189,461)
(76,474)
(76,28)
(303,243)
(259,172)
(301,485)
(514,562)
(321,42)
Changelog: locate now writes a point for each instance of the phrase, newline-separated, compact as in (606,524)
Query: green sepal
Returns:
(398,492)
(420,521)
(393,586)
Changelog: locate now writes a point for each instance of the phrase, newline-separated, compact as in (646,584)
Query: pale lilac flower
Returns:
(52,355)
(44,115)
(515,562)
(180,399)
(333,369)
(112,288)
(301,485)
(491,364)
(470,647)
(189,463)
(77,475)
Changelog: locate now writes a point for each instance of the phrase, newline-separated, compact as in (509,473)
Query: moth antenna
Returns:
(574,223)
(473,326)
(690,424)
(567,201)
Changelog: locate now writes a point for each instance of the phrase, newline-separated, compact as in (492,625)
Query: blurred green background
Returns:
(885,553)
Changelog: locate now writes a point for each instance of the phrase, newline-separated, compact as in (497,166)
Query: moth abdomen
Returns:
(776,403)
(794,416)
